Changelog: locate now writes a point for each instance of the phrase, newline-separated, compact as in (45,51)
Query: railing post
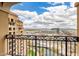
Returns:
(77,52)
(66,46)
(12,44)
(35,45)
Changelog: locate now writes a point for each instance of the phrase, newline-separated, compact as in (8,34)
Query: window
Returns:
(13,23)
(9,23)
(10,28)
(21,31)
(11,20)
(13,32)
(10,33)
(13,28)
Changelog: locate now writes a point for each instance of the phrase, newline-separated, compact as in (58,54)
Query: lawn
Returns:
(31,53)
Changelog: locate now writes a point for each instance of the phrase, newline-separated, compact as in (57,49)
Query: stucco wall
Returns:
(3,30)
(77,5)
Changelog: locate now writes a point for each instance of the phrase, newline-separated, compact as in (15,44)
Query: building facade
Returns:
(19,27)
(15,25)
(12,23)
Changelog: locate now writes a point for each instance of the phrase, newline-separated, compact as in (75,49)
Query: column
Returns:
(77,5)
(3,30)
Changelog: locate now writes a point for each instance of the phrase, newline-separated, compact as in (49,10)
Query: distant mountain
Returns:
(59,31)
(36,29)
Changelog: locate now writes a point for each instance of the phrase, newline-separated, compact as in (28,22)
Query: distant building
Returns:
(53,32)
(19,27)
(12,23)
(15,25)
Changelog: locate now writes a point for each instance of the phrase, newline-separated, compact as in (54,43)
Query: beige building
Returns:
(15,25)
(12,18)
(19,27)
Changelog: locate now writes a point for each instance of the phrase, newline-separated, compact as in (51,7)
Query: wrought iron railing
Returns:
(36,45)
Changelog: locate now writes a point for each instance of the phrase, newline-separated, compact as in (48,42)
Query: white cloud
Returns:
(54,3)
(26,14)
(72,4)
(58,16)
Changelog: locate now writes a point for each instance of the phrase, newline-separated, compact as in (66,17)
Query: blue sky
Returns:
(46,14)
(36,6)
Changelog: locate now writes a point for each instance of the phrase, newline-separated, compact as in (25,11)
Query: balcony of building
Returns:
(35,45)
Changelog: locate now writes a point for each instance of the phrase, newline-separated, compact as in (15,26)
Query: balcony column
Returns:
(3,30)
(77,5)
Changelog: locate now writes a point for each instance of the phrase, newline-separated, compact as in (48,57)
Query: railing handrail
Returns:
(45,35)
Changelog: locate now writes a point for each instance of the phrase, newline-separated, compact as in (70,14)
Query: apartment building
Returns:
(12,23)
(19,27)
(15,25)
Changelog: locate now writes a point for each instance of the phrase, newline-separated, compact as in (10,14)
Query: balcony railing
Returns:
(33,45)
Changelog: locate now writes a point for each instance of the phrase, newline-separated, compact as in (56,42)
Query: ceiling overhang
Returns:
(76,4)
(7,5)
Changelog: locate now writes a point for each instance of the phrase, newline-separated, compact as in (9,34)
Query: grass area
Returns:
(42,51)
(30,53)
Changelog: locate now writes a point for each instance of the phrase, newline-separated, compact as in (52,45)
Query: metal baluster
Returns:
(74,48)
(29,47)
(7,45)
(26,47)
(39,47)
(70,47)
(32,46)
(42,48)
(57,47)
(46,46)
(49,47)
(12,45)
(23,47)
(53,47)
(66,46)
(15,47)
(35,45)
(61,48)
(19,46)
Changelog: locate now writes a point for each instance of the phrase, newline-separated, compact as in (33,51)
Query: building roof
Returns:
(8,12)
(13,13)
(7,4)
(19,21)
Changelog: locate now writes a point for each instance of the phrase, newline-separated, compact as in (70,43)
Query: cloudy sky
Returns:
(46,14)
